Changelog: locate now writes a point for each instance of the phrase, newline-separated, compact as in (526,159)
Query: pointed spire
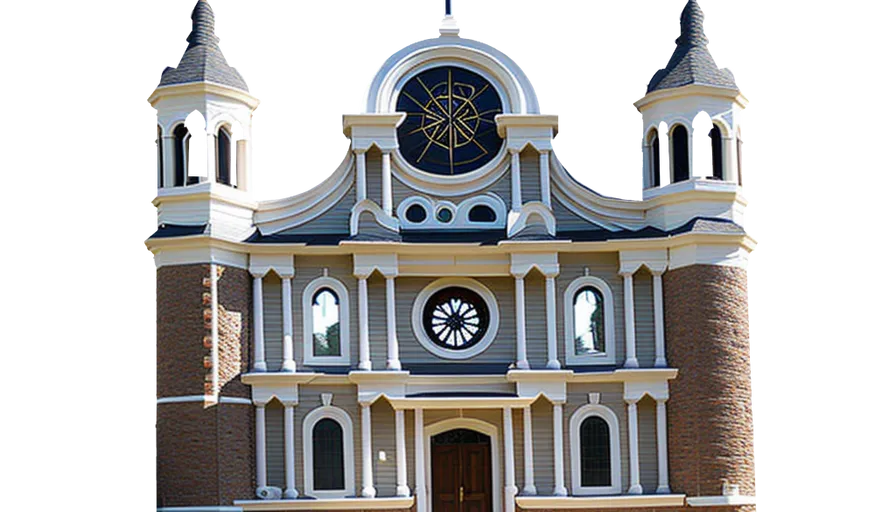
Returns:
(691,63)
(203,60)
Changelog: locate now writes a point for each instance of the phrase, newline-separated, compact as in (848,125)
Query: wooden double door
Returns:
(461,472)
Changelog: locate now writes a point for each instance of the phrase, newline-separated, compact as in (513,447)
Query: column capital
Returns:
(360,151)
(626,273)
(514,151)
(657,273)
(632,401)
(288,403)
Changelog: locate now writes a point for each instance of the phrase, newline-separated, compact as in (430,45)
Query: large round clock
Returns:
(450,125)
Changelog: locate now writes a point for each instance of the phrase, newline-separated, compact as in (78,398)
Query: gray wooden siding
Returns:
(385,476)
(610,396)
(335,220)
(543,446)
(566,219)
(645,336)
(536,321)
(273,321)
(502,350)
(376,319)
(345,398)
(367,225)
(647,455)
(309,268)
(274,444)
(400,191)
(604,266)
(530,177)
(375,176)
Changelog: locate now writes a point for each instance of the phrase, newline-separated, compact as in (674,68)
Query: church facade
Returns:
(450,321)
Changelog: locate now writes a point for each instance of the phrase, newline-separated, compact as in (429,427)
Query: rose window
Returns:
(455,318)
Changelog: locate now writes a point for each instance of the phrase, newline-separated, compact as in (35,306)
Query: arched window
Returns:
(159,156)
(325,323)
(181,155)
(482,213)
(594,434)
(656,148)
(681,165)
(223,146)
(588,316)
(329,470)
(595,451)
(588,322)
(716,136)
(325,314)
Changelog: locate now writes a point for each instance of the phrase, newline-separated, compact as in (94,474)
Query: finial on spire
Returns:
(203,25)
(449,26)
(692,26)
(447,7)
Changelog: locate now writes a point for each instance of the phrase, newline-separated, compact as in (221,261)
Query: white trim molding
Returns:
(320,504)
(575,422)
(609,356)
(348,453)
(344,306)
(462,282)
(601,502)
(720,501)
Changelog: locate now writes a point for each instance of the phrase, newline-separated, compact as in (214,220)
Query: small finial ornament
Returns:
(449,26)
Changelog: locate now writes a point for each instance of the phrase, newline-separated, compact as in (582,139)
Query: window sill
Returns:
(327,504)
(599,502)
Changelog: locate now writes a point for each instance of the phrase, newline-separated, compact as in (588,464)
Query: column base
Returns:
(291,494)
(660,362)
(631,363)
(663,489)
(393,364)
(510,498)
(403,491)
(529,491)
(260,367)
(288,366)
(522,365)
(553,364)
(560,491)
(636,489)
(365,365)
(368,492)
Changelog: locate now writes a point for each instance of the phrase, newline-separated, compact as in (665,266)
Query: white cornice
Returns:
(721,501)
(202,88)
(326,504)
(733,95)
(599,502)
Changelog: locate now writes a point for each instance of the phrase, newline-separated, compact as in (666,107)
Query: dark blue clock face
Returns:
(450,125)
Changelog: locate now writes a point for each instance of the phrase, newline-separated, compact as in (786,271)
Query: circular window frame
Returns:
(420,330)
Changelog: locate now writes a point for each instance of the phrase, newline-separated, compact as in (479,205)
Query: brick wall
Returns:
(709,412)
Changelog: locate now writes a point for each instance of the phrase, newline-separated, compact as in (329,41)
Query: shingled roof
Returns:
(691,63)
(203,60)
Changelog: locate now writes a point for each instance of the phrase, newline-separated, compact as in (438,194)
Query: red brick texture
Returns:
(710,417)
(205,454)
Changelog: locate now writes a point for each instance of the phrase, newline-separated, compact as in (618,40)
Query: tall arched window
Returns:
(181,155)
(329,473)
(159,156)
(223,146)
(681,165)
(588,313)
(325,323)
(594,434)
(716,136)
(656,148)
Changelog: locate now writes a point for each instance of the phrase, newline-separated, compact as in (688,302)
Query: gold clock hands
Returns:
(451,135)
(433,98)
(426,110)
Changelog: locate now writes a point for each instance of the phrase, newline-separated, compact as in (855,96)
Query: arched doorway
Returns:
(461,471)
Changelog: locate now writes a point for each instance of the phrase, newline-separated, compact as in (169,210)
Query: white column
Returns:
(559,478)
(631,359)
(361,174)
(528,461)
(243,164)
(212,155)
(367,489)
(634,467)
(392,360)
(289,364)
(261,461)
(662,455)
(509,475)
(258,323)
(544,171)
(516,191)
(659,328)
(168,165)
(363,336)
(401,459)
(419,463)
(666,170)
(387,183)
(522,362)
(289,434)
(550,301)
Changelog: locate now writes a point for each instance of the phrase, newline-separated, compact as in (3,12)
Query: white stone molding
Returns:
(420,331)
(420,463)
(360,174)
(281,264)
(655,260)
(228,400)
(363,326)
(544,173)
(459,213)
(601,502)
(516,193)
(365,264)
(527,130)
(510,489)
(382,217)
(559,479)
(636,389)
(523,263)
(366,130)
(659,321)
(289,443)
(631,358)
(344,357)
(721,501)
(289,363)
(260,365)
(387,183)
(522,362)
(662,455)
(483,427)
(348,452)
(401,459)
(723,254)
(550,291)
(575,446)
(633,457)
(517,222)
(392,360)
(528,461)
(261,463)
(609,357)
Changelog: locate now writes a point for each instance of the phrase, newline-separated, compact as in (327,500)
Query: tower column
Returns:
(168,165)
(631,359)
(658,320)
(662,453)
(559,478)
(361,174)
(392,360)
(528,462)
(260,364)
(289,434)
(509,475)
(419,463)
(401,460)
(544,171)
(367,488)
(522,362)
(261,473)
(633,465)
(387,182)
(289,364)
(363,335)
(516,191)
(550,292)
(212,152)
